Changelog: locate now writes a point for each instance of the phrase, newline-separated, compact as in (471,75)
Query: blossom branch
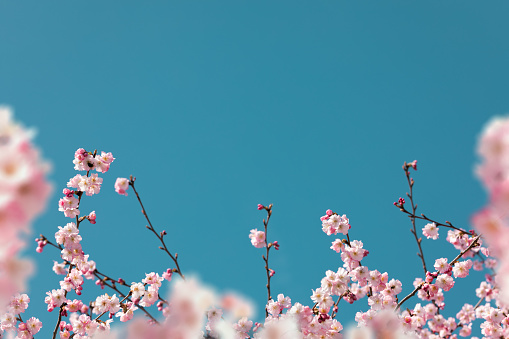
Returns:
(266,256)
(121,301)
(78,221)
(455,260)
(423,217)
(161,235)
(113,287)
(414,208)
(409,296)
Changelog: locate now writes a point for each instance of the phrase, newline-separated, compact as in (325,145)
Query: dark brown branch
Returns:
(451,263)
(266,256)
(465,250)
(412,218)
(113,287)
(409,296)
(161,235)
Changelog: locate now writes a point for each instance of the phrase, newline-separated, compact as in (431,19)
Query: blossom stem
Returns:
(121,301)
(412,217)
(451,263)
(159,236)
(266,257)
(78,221)
(408,296)
(455,260)
(423,217)
(113,287)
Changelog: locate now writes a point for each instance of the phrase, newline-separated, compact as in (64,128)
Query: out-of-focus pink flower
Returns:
(24,192)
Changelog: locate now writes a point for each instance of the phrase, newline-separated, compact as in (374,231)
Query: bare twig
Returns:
(266,256)
(161,235)
(412,217)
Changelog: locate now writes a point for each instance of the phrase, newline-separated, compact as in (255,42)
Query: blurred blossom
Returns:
(492,221)
(24,192)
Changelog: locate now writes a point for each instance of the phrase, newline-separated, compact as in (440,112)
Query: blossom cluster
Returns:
(89,184)
(193,311)
(25,329)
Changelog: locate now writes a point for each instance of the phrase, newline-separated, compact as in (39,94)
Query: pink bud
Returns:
(91,217)
(260,207)
(328,212)
(168,274)
(414,164)
(38,249)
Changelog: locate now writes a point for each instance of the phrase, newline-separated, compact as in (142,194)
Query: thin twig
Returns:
(409,296)
(113,287)
(159,236)
(451,263)
(465,250)
(412,218)
(266,257)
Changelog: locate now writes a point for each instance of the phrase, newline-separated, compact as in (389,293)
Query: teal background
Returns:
(218,106)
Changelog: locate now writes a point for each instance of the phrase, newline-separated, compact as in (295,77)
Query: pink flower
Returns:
(153,279)
(33,325)
(430,231)
(337,245)
(150,297)
(74,181)
(257,238)
(414,164)
(103,162)
(121,186)
(444,282)
(168,274)
(91,217)
(442,265)
(493,228)
(129,314)
(461,269)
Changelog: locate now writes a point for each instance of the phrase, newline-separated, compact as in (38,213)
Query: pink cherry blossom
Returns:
(430,231)
(444,282)
(121,186)
(257,238)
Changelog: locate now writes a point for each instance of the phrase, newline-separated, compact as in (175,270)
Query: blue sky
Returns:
(218,106)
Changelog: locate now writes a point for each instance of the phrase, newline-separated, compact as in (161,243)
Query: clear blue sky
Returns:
(218,106)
